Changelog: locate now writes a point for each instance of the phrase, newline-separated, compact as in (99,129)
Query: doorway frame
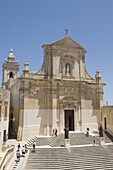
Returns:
(73,117)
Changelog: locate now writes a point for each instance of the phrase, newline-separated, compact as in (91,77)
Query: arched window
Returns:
(67,70)
(11,75)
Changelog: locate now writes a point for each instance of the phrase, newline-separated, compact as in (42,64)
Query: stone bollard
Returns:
(67,143)
(101,140)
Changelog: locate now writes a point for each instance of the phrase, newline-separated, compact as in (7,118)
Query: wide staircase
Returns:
(81,155)
(75,139)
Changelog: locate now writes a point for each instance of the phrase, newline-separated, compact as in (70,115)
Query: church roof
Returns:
(67,42)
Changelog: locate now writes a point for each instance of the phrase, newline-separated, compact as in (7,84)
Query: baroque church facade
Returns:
(60,94)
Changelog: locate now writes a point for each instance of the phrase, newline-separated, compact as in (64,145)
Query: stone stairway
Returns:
(44,158)
(19,165)
(57,141)
(82,154)
(81,158)
(90,157)
(40,141)
(30,141)
(75,139)
(53,141)
(16,164)
(81,139)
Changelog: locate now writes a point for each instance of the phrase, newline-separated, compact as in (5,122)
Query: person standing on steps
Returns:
(18,146)
(100,131)
(34,146)
(18,155)
(23,151)
(66,132)
(26,147)
(87,132)
(94,141)
(55,131)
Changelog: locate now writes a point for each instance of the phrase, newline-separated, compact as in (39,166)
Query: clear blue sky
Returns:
(25,25)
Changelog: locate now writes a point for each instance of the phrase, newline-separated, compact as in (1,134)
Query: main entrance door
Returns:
(69,119)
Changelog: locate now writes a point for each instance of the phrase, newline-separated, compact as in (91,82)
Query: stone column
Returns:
(55,114)
(48,130)
(79,118)
(61,119)
(48,109)
(55,108)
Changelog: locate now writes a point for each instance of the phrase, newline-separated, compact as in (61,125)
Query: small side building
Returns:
(107,118)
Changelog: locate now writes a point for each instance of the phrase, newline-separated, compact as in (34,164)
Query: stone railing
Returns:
(6,158)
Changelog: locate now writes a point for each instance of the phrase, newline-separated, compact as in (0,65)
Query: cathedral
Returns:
(60,94)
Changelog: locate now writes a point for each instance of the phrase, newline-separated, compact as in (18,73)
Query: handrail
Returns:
(8,151)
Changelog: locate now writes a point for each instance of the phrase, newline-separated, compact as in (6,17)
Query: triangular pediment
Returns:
(68,42)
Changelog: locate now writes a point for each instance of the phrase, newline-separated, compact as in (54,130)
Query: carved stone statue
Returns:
(67,69)
(100,131)
(66,132)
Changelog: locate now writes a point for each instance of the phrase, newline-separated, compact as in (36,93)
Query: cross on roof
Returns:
(66,30)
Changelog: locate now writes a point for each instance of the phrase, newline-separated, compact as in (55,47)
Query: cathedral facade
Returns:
(60,94)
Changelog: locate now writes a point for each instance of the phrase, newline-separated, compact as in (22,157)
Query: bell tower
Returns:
(10,71)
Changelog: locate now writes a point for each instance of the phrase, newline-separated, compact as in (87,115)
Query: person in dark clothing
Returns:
(66,131)
(100,131)
(18,155)
(55,132)
(34,146)
(87,132)
(18,146)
